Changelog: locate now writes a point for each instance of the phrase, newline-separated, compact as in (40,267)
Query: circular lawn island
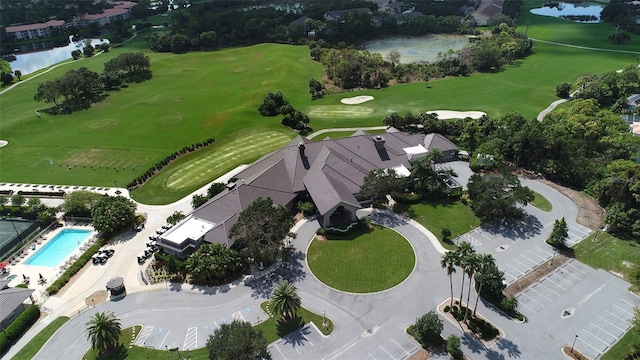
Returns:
(362,262)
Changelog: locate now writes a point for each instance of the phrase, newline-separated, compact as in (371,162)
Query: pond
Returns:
(580,12)
(34,61)
(418,49)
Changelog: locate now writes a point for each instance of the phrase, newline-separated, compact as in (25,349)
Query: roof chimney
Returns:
(301,148)
(379,142)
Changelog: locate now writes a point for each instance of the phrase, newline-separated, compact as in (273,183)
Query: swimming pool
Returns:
(58,248)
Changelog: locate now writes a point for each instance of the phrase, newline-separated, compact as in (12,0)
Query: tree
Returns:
(464,249)
(46,217)
(316,89)
(562,90)
(492,280)
(103,331)
(472,264)
(272,104)
(3,200)
(180,44)
(213,262)
(485,263)
(113,213)
(261,229)
(509,303)
(18,74)
(175,217)
(380,182)
(635,321)
(18,200)
(237,340)
(209,40)
(88,49)
(449,261)
(559,234)
(215,189)
(393,57)
(428,180)
(497,196)
(453,346)
(428,328)
(79,203)
(285,300)
(198,200)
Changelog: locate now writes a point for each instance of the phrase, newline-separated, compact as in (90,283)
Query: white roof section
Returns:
(417,151)
(402,171)
(191,228)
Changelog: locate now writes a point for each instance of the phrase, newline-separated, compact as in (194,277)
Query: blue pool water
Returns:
(58,248)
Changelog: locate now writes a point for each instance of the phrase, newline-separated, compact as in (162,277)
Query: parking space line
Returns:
(532,299)
(527,259)
(305,336)
(527,306)
(595,337)
(566,271)
(570,263)
(401,348)
(598,351)
(546,252)
(237,316)
(516,269)
(541,283)
(277,348)
(625,301)
(614,315)
(555,283)
(542,258)
(533,288)
(191,339)
(372,356)
(163,340)
(603,319)
(623,310)
(383,349)
(605,331)
(555,274)
(527,267)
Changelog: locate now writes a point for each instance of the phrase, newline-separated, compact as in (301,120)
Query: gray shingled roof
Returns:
(4,283)
(438,141)
(10,298)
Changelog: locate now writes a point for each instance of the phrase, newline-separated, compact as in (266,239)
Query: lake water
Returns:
(418,49)
(34,61)
(567,9)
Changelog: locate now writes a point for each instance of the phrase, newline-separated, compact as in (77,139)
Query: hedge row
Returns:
(75,267)
(43,193)
(140,180)
(22,323)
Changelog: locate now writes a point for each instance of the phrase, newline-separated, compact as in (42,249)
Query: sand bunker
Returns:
(3,143)
(450,114)
(356,100)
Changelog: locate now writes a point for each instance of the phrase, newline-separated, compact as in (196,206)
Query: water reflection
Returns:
(580,12)
(33,61)
(418,49)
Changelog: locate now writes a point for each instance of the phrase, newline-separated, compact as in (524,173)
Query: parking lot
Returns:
(191,336)
(294,345)
(577,302)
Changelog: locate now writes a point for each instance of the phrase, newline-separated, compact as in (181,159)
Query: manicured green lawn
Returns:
(200,95)
(436,215)
(604,251)
(541,202)
(273,329)
(362,262)
(623,347)
(32,348)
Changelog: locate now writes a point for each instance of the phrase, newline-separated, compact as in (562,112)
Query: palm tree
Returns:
(103,331)
(464,249)
(473,262)
(285,300)
(485,262)
(449,260)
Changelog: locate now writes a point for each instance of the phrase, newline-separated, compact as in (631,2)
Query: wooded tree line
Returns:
(78,89)
(581,146)
(611,88)
(622,13)
(350,68)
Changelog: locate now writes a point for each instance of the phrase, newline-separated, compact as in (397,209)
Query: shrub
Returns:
(447,309)
(75,267)
(563,90)
(453,346)
(321,231)
(18,327)
(307,208)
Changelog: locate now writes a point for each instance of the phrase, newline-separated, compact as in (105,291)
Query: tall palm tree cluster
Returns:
(470,263)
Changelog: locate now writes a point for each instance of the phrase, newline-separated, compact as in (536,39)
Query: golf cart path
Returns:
(586,47)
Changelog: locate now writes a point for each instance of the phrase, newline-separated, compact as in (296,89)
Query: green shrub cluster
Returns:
(411,198)
(13,332)
(482,328)
(75,267)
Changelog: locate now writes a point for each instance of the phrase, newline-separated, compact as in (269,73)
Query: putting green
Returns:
(204,168)
(344,111)
(362,262)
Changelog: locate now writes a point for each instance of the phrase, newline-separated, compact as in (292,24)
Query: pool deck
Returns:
(49,273)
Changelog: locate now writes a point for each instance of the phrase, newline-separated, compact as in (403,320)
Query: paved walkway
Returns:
(354,129)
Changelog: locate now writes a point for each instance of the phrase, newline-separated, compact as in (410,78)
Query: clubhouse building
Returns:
(331,172)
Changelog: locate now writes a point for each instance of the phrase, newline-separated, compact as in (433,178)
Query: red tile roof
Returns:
(37,26)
